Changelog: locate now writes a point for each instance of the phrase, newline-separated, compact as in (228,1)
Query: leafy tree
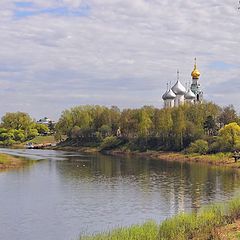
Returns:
(210,125)
(75,132)
(179,126)
(42,128)
(144,124)
(228,115)
(105,130)
(32,133)
(18,120)
(17,127)
(229,136)
(199,146)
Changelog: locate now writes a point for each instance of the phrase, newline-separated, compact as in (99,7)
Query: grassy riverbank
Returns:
(37,140)
(8,162)
(219,221)
(218,159)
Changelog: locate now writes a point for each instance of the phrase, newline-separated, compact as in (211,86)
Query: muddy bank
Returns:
(219,159)
(75,149)
(10,162)
(212,159)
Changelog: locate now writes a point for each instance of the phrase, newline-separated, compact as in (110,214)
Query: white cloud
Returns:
(120,52)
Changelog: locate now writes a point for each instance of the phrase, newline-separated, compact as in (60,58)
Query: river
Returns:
(65,194)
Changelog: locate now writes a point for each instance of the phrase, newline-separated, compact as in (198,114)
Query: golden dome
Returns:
(195,73)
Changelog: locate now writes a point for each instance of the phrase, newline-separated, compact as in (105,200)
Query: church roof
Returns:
(190,95)
(195,73)
(170,94)
(164,95)
(178,88)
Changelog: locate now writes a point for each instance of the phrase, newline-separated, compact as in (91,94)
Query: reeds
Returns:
(201,225)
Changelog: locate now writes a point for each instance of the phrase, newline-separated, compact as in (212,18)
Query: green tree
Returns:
(179,126)
(199,146)
(144,124)
(163,124)
(210,125)
(228,115)
(42,128)
(229,137)
(18,120)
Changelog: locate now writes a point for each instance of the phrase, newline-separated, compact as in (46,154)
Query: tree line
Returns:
(19,127)
(201,128)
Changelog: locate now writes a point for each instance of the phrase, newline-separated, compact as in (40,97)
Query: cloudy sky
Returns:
(55,54)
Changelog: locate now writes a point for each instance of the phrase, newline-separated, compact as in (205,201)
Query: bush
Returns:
(199,146)
(110,143)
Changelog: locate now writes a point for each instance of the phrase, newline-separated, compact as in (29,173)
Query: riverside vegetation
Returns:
(209,223)
(200,128)
(19,127)
(7,162)
(194,129)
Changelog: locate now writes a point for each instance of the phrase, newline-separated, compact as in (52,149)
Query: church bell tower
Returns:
(195,86)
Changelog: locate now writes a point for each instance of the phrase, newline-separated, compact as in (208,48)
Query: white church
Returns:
(178,94)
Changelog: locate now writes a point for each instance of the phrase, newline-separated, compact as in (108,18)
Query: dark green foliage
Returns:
(210,126)
(111,142)
(199,146)
(228,115)
(147,128)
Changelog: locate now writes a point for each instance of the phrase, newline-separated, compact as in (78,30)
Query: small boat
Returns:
(30,145)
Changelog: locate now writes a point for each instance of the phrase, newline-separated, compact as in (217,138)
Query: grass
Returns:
(206,224)
(7,162)
(146,231)
(4,159)
(43,139)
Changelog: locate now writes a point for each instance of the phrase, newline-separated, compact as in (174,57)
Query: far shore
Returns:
(218,159)
(10,162)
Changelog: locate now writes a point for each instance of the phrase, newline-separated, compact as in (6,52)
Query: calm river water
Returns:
(65,194)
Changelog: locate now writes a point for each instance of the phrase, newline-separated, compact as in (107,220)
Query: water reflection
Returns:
(70,193)
(177,182)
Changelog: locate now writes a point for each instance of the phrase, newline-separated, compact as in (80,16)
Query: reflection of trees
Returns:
(178,184)
(92,166)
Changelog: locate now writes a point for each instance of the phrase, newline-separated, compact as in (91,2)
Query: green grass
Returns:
(43,139)
(201,225)
(146,231)
(4,159)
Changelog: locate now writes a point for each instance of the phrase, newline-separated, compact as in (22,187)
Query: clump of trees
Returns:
(19,127)
(201,127)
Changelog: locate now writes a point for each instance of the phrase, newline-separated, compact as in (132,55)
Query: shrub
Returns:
(199,146)
(110,143)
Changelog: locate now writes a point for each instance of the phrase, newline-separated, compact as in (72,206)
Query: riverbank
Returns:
(219,221)
(10,162)
(218,159)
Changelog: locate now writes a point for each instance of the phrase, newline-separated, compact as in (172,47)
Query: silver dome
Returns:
(190,95)
(164,95)
(178,88)
(170,94)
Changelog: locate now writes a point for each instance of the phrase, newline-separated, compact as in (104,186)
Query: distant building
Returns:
(46,121)
(178,94)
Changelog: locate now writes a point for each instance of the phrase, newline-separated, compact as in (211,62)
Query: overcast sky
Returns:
(55,54)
